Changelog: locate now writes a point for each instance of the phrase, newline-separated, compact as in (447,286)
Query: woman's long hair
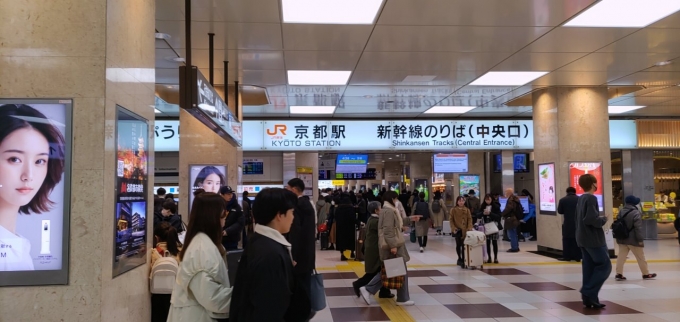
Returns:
(388,197)
(168,234)
(206,212)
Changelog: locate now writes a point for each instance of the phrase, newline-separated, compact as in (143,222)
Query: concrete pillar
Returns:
(638,174)
(507,170)
(570,124)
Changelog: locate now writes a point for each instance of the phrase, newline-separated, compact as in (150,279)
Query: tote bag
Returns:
(491,228)
(318,295)
(394,267)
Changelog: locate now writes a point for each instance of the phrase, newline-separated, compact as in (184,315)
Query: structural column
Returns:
(507,170)
(570,124)
(638,174)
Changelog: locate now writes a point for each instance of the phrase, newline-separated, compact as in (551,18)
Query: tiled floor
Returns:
(524,287)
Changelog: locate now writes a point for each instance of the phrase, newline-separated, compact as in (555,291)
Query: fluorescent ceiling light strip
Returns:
(625,13)
(507,78)
(157,111)
(318,77)
(449,109)
(623,109)
(312,109)
(354,12)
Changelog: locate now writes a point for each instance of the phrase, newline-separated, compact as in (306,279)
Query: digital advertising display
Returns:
(351,163)
(376,189)
(451,163)
(421,186)
(520,162)
(469,182)
(393,186)
(546,188)
(131,191)
(35,147)
(524,201)
(207,177)
(577,169)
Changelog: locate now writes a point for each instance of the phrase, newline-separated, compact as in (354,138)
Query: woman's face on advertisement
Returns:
(23,166)
(212,183)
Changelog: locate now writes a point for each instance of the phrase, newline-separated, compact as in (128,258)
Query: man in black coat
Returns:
(567,207)
(168,213)
(302,237)
(235,222)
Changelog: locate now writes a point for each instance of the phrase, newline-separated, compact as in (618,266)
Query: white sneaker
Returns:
(365,295)
(422,249)
(407,303)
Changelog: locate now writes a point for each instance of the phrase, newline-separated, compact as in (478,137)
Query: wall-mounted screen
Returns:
(546,188)
(207,177)
(351,163)
(35,145)
(371,173)
(520,162)
(522,200)
(131,191)
(497,163)
(577,169)
(469,182)
(253,166)
(451,162)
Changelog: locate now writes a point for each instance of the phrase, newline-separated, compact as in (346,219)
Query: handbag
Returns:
(183,233)
(323,227)
(317,293)
(413,234)
(393,283)
(394,267)
(491,228)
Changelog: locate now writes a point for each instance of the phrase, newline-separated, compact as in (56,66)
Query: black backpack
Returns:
(422,209)
(619,229)
(519,210)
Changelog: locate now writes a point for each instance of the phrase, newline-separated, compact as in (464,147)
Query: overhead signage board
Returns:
(381,135)
(166,134)
(203,102)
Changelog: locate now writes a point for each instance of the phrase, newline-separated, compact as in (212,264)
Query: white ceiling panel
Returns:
(167,76)
(649,79)
(393,90)
(429,61)
(241,59)
(606,61)
(253,11)
(321,60)
(568,78)
(480,12)
(447,38)
(163,57)
(363,77)
(648,41)
(530,61)
(665,109)
(577,40)
(642,101)
(169,10)
(325,37)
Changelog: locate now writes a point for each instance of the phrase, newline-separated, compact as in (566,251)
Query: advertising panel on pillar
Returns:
(469,182)
(393,186)
(35,145)
(421,186)
(376,188)
(546,188)
(577,169)
(131,217)
(208,177)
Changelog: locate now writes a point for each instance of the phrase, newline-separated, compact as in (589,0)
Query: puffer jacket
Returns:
(633,221)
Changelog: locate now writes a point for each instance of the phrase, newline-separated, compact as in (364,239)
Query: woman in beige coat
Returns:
(438,216)
(461,222)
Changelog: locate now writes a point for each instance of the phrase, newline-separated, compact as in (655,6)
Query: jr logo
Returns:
(278,128)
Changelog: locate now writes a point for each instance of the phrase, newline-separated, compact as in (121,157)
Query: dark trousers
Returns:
(570,250)
(596,268)
(495,248)
(160,307)
(244,238)
(364,280)
(460,246)
(228,245)
(422,241)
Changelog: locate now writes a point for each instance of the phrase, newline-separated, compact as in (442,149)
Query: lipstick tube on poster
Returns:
(45,238)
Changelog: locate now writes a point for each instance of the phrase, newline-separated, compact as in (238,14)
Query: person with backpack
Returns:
(164,262)
(472,202)
(420,214)
(438,211)
(512,214)
(627,230)
(202,291)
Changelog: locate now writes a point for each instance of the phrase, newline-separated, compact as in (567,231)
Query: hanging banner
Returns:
(131,191)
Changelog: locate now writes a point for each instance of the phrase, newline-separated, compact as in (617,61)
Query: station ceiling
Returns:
(421,53)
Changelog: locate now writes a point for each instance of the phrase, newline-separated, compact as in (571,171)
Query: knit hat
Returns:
(632,200)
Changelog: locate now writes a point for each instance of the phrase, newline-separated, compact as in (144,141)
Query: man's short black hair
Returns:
(170,206)
(571,190)
(270,202)
(297,183)
(161,192)
(245,193)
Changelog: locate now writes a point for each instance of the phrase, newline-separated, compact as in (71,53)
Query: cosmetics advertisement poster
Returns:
(546,188)
(577,169)
(34,144)
(131,192)
(207,177)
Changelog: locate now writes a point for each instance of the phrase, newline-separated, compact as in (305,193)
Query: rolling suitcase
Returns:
(474,256)
(233,257)
(359,245)
(323,240)
(446,228)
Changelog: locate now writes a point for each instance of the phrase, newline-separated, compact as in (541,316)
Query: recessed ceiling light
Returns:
(157,111)
(449,109)
(622,109)
(419,78)
(318,77)
(663,63)
(347,12)
(175,59)
(312,109)
(160,35)
(507,78)
(625,13)
(390,158)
